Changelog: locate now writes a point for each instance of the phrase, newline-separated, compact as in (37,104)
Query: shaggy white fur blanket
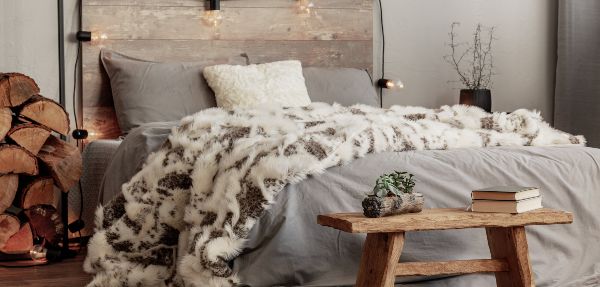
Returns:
(219,170)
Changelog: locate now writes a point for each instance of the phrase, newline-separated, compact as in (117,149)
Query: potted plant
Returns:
(473,62)
(393,194)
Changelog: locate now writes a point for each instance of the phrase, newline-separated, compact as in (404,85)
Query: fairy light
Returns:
(305,7)
(390,84)
(212,16)
(99,36)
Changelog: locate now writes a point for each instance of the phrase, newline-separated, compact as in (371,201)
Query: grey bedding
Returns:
(287,247)
(96,158)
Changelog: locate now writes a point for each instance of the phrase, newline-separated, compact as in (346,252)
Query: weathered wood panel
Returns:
(441,219)
(338,4)
(451,267)
(101,123)
(380,256)
(176,23)
(338,33)
(353,54)
(510,244)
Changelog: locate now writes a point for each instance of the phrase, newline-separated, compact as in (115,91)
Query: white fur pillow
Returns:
(279,83)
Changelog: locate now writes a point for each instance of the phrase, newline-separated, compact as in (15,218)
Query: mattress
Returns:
(287,247)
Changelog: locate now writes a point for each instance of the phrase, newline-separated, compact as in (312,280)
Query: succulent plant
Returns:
(394,184)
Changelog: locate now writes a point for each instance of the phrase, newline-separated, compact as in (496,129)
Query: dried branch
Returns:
(476,73)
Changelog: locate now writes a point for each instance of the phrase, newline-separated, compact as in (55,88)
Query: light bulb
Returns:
(212,18)
(38,253)
(87,36)
(398,85)
(99,36)
(390,84)
(305,7)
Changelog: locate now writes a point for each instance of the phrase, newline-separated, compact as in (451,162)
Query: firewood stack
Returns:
(33,162)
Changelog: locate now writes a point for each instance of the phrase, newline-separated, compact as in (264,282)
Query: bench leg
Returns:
(511,244)
(381,254)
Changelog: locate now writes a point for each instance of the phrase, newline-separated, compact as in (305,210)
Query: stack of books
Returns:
(506,199)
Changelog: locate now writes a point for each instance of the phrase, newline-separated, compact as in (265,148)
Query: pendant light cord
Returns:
(76,67)
(382,52)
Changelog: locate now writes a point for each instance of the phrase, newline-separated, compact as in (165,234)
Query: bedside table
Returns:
(385,238)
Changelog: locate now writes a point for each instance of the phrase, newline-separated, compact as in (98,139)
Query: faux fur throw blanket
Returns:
(219,170)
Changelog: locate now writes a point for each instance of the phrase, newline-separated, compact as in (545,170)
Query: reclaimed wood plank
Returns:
(338,33)
(510,244)
(101,123)
(451,267)
(441,219)
(177,23)
(338,4)
(351,54)
(381,253)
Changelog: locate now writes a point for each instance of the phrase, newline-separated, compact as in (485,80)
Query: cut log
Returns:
(21,242)
(37,191)
(5,121)
(29,136)
(15,159)
(9,183)
(46,112)
(45,222)
(16,88)
(9,225)
(374,206)
(63,160)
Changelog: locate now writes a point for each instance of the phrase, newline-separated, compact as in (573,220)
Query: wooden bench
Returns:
(385,238)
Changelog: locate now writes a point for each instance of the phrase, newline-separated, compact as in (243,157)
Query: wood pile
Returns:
(34,161)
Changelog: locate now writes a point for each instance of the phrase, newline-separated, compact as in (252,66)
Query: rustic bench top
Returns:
(441,218)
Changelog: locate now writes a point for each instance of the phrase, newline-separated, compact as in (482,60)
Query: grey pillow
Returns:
(345,86)
(145,92)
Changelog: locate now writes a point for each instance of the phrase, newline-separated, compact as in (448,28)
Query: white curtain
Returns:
(577,99)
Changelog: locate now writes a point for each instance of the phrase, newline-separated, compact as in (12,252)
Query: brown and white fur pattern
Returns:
(219,170)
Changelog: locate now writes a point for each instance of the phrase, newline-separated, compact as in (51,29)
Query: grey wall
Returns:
(525,52)
(29,43)
(416,36)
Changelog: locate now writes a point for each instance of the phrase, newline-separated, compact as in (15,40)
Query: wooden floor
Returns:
(66,273)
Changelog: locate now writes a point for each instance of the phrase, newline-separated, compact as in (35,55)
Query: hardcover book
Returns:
(506,206)
(506,193)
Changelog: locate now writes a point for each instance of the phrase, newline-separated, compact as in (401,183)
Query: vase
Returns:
(374,206)
(481,98)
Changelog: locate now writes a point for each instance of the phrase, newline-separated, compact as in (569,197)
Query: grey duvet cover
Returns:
(288,248)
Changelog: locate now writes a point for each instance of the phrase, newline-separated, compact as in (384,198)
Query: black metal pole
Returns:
(61,53)
(64,206)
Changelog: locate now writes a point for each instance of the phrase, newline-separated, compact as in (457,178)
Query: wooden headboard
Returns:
(338,33)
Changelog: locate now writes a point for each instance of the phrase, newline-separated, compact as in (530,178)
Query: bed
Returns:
(288,248)
(285,246)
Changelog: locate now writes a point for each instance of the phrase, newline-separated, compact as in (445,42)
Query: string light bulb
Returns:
(99,36)
(390,84)
(305,7)
(87,36)
(212,16)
